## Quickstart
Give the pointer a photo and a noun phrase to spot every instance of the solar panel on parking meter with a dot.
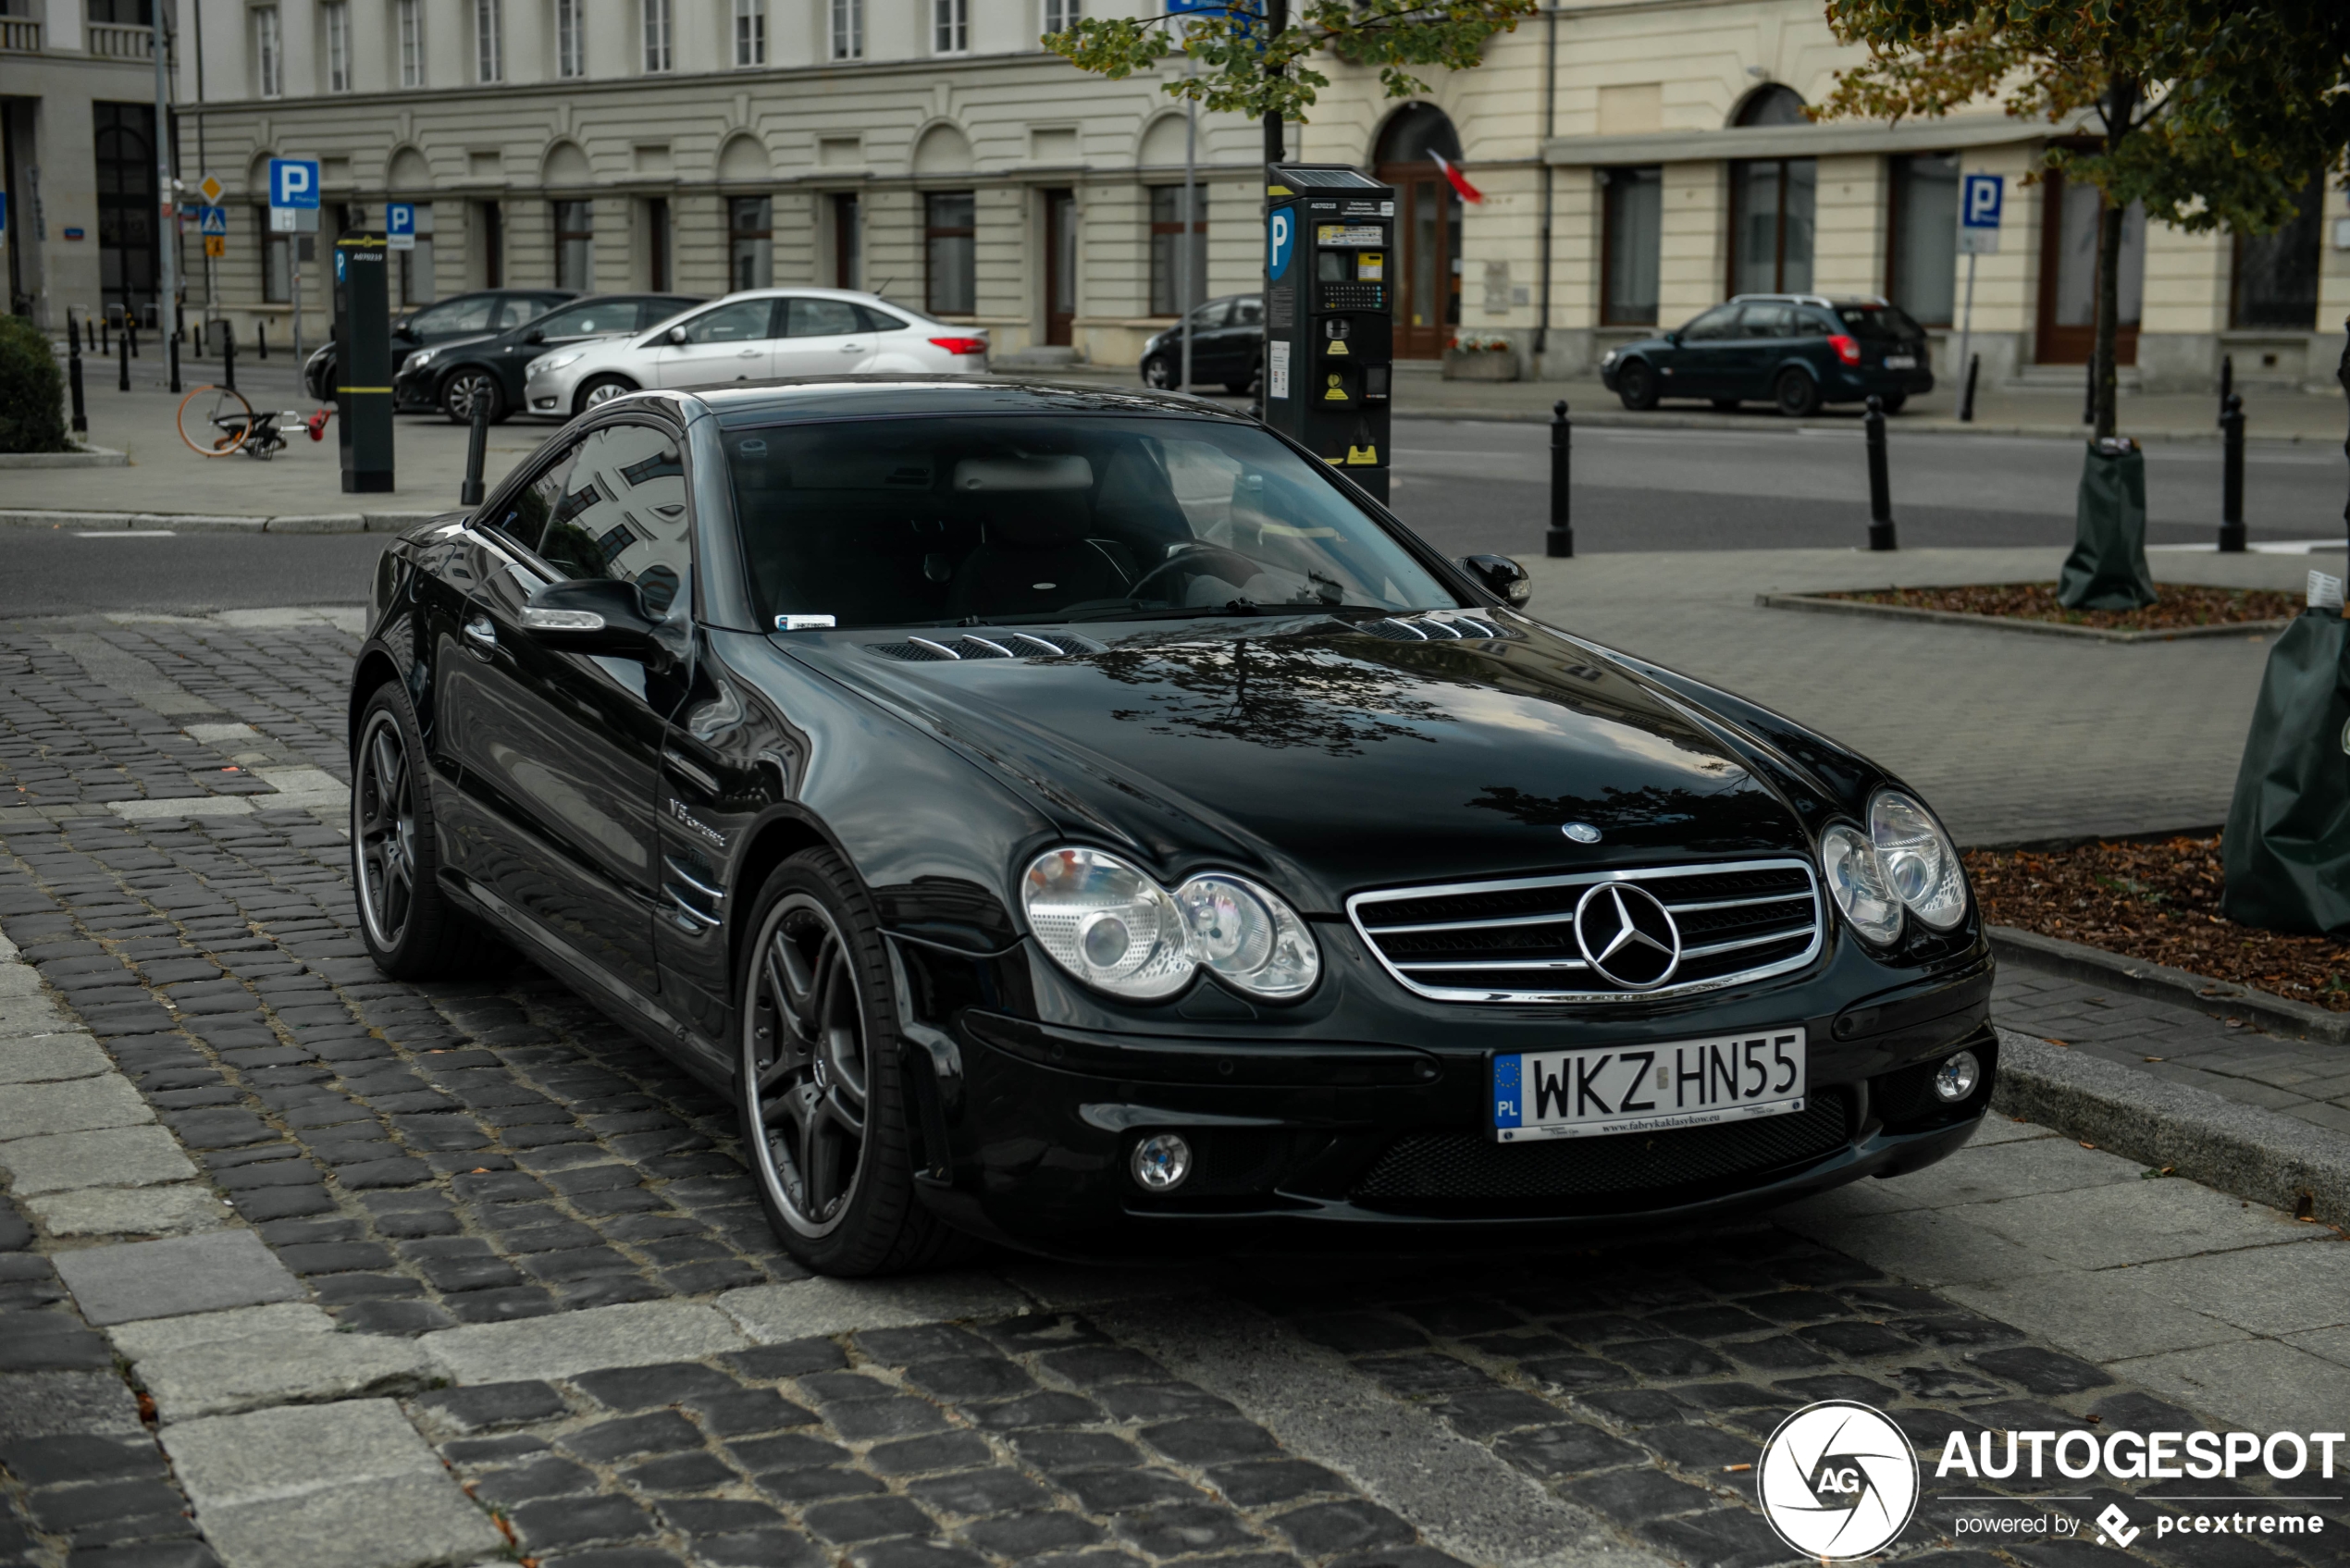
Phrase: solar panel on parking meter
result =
(1329, 315)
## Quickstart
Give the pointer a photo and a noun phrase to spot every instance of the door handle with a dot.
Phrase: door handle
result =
(852, 348)
(481, 634)
(745, 353)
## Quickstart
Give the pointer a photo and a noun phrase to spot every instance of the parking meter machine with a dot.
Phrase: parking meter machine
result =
(1329, 313)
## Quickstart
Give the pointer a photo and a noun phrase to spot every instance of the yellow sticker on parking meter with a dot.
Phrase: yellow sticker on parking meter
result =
(1370, 267)
(1337, 394)
(1338, 345)
(1362, 454)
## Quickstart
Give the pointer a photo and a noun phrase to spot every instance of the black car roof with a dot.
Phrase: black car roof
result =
(791, 400)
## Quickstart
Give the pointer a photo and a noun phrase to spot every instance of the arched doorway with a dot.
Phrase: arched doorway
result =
(1428, 228)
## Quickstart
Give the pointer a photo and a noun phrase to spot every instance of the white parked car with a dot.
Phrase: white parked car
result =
(752, 336)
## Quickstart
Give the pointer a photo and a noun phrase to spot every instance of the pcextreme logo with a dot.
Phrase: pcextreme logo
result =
(1837, 1481)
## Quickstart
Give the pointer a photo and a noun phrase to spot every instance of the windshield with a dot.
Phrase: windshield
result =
(998, 520)
(580, 321)
(1879, 321)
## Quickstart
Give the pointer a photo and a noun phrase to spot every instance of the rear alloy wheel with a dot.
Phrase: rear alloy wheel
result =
(460, 392)
(1157, 374)
(411, 929)
(1796, 393)
(1636, 386)
(603, 390)
(822, 1094)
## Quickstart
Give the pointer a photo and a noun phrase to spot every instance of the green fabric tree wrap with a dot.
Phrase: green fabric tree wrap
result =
(2108, 567)
(2287, 848)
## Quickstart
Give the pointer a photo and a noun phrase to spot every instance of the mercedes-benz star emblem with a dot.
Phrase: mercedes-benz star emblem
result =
(1581, 832)
(1628, 935)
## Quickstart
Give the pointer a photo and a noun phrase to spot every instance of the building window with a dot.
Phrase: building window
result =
(489, 41)
(950, 26)
(1062, 15)
(1632, 220)
(848, 30)
(2276, 274)
(408, 22)
(1772, 205)
(1166, 238)
(660, 34)
(848, 241)
(571, 38)
(750, 224)
(951, 270)
(269, 51)
(750, 32)
(489, 229)
(1923, 242)
(128, 259)
(574, 245)
(337, 17)
(657, 265)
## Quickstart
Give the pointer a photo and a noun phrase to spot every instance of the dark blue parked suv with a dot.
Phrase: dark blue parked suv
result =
(1796, 350)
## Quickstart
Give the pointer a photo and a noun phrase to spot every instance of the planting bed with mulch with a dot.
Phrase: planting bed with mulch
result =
(2182, 605)
(2159, 902)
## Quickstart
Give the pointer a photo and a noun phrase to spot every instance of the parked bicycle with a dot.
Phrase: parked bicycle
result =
(216, 421)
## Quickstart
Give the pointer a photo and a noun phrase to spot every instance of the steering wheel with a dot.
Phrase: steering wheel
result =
(1197, 559)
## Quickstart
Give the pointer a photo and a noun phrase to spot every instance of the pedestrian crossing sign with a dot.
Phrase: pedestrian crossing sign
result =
(212, 221)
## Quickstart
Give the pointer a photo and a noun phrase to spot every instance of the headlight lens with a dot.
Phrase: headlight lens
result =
(1921, 865)
(1115, 929)
(1857, 883)
(1248, 937)
(556, 362)
(1608, 358)
(421, 358)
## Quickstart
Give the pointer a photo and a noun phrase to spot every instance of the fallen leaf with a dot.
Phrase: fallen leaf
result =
(2088, 1145)
(2157, 1058)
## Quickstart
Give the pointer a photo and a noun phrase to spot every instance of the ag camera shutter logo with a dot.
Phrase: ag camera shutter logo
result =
(1838, 1480)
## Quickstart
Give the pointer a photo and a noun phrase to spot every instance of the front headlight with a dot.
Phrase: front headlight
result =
(1920, 864)
(421, 358)
(1608, 358)
(556, 362)
(1112, 927)
(1857, 883)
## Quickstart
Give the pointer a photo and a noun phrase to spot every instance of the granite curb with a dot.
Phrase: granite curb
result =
(80, 457)
(2238, 1149)
(1820, 604)
(2161, 983)
(178, 522)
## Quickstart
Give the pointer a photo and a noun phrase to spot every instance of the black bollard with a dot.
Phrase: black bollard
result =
(130, 333)
(2231, 477)
(476, 448)
(2089, 405)
(1966, 404)
(1560, 540)
(1880, 483)
(73, 379)
(73, 333)
(171, 353)
(122, 358)
(228, 355)
(103, 334)
(2227, 386)
(260, 339)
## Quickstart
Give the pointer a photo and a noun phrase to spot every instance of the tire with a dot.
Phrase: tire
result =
(319, 385)
(1253, 386)
(1157, 374)
(459, 389)
(1895, 404)
(411, 929)
(603, 389)
(1796, 393)
(1636, 386)
(819, 1083)
(1725, 405)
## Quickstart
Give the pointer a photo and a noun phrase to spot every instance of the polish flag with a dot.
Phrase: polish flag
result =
(1460, 182)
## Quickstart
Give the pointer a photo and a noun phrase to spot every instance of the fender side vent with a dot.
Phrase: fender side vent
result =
(1433, 628)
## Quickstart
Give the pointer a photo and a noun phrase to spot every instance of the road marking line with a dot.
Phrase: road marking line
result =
(126, 533)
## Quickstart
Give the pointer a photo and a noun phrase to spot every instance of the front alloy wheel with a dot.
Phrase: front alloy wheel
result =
(383, 830)
(805, 1067)
(467, 388)
(1158, 374)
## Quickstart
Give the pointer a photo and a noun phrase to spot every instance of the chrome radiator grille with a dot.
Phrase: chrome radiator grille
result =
(1518, 940)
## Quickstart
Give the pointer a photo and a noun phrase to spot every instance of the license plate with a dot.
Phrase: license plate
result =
(1648, 1088)
(1900, 361)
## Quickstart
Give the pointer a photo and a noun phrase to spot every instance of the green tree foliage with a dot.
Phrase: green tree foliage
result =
(2213, 113)
(1244, 71)
(32, 390)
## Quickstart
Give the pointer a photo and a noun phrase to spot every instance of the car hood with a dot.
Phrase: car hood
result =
(1336, 757)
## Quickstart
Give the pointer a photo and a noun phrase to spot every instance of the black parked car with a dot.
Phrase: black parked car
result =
(461, 315)
(1797, 350)
(1228, 345)
(449, 375)
(1082, 818)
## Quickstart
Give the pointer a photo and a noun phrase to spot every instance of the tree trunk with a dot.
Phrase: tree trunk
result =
(2108, 311)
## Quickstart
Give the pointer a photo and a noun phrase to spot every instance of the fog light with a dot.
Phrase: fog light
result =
(1161, 1161)
(1955, 1079)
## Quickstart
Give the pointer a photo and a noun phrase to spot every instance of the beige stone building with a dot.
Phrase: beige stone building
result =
(1639, 160)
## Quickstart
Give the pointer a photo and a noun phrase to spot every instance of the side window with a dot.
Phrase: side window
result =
(878, 321)
(1766, 321)
(745, 321)
(819, 318)
(1248, 311)
(621, 513)
(512, 311)
(1719, 322)
(537, 502)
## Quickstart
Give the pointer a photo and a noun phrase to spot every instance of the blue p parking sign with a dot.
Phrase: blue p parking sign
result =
(1980, 209)
(1281, 239)
(294, 182)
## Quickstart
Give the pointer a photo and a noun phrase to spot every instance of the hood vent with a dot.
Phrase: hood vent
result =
(993, 645)
(1432, 628)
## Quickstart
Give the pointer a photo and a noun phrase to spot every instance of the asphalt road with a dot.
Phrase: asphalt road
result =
(1468, 486)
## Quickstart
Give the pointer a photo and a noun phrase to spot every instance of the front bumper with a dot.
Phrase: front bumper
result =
(1027, 1130)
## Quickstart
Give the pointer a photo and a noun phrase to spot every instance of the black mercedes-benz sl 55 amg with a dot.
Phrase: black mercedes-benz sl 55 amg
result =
(1082, 818)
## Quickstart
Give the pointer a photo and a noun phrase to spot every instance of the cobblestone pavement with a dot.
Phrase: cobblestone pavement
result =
(301, 1265)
